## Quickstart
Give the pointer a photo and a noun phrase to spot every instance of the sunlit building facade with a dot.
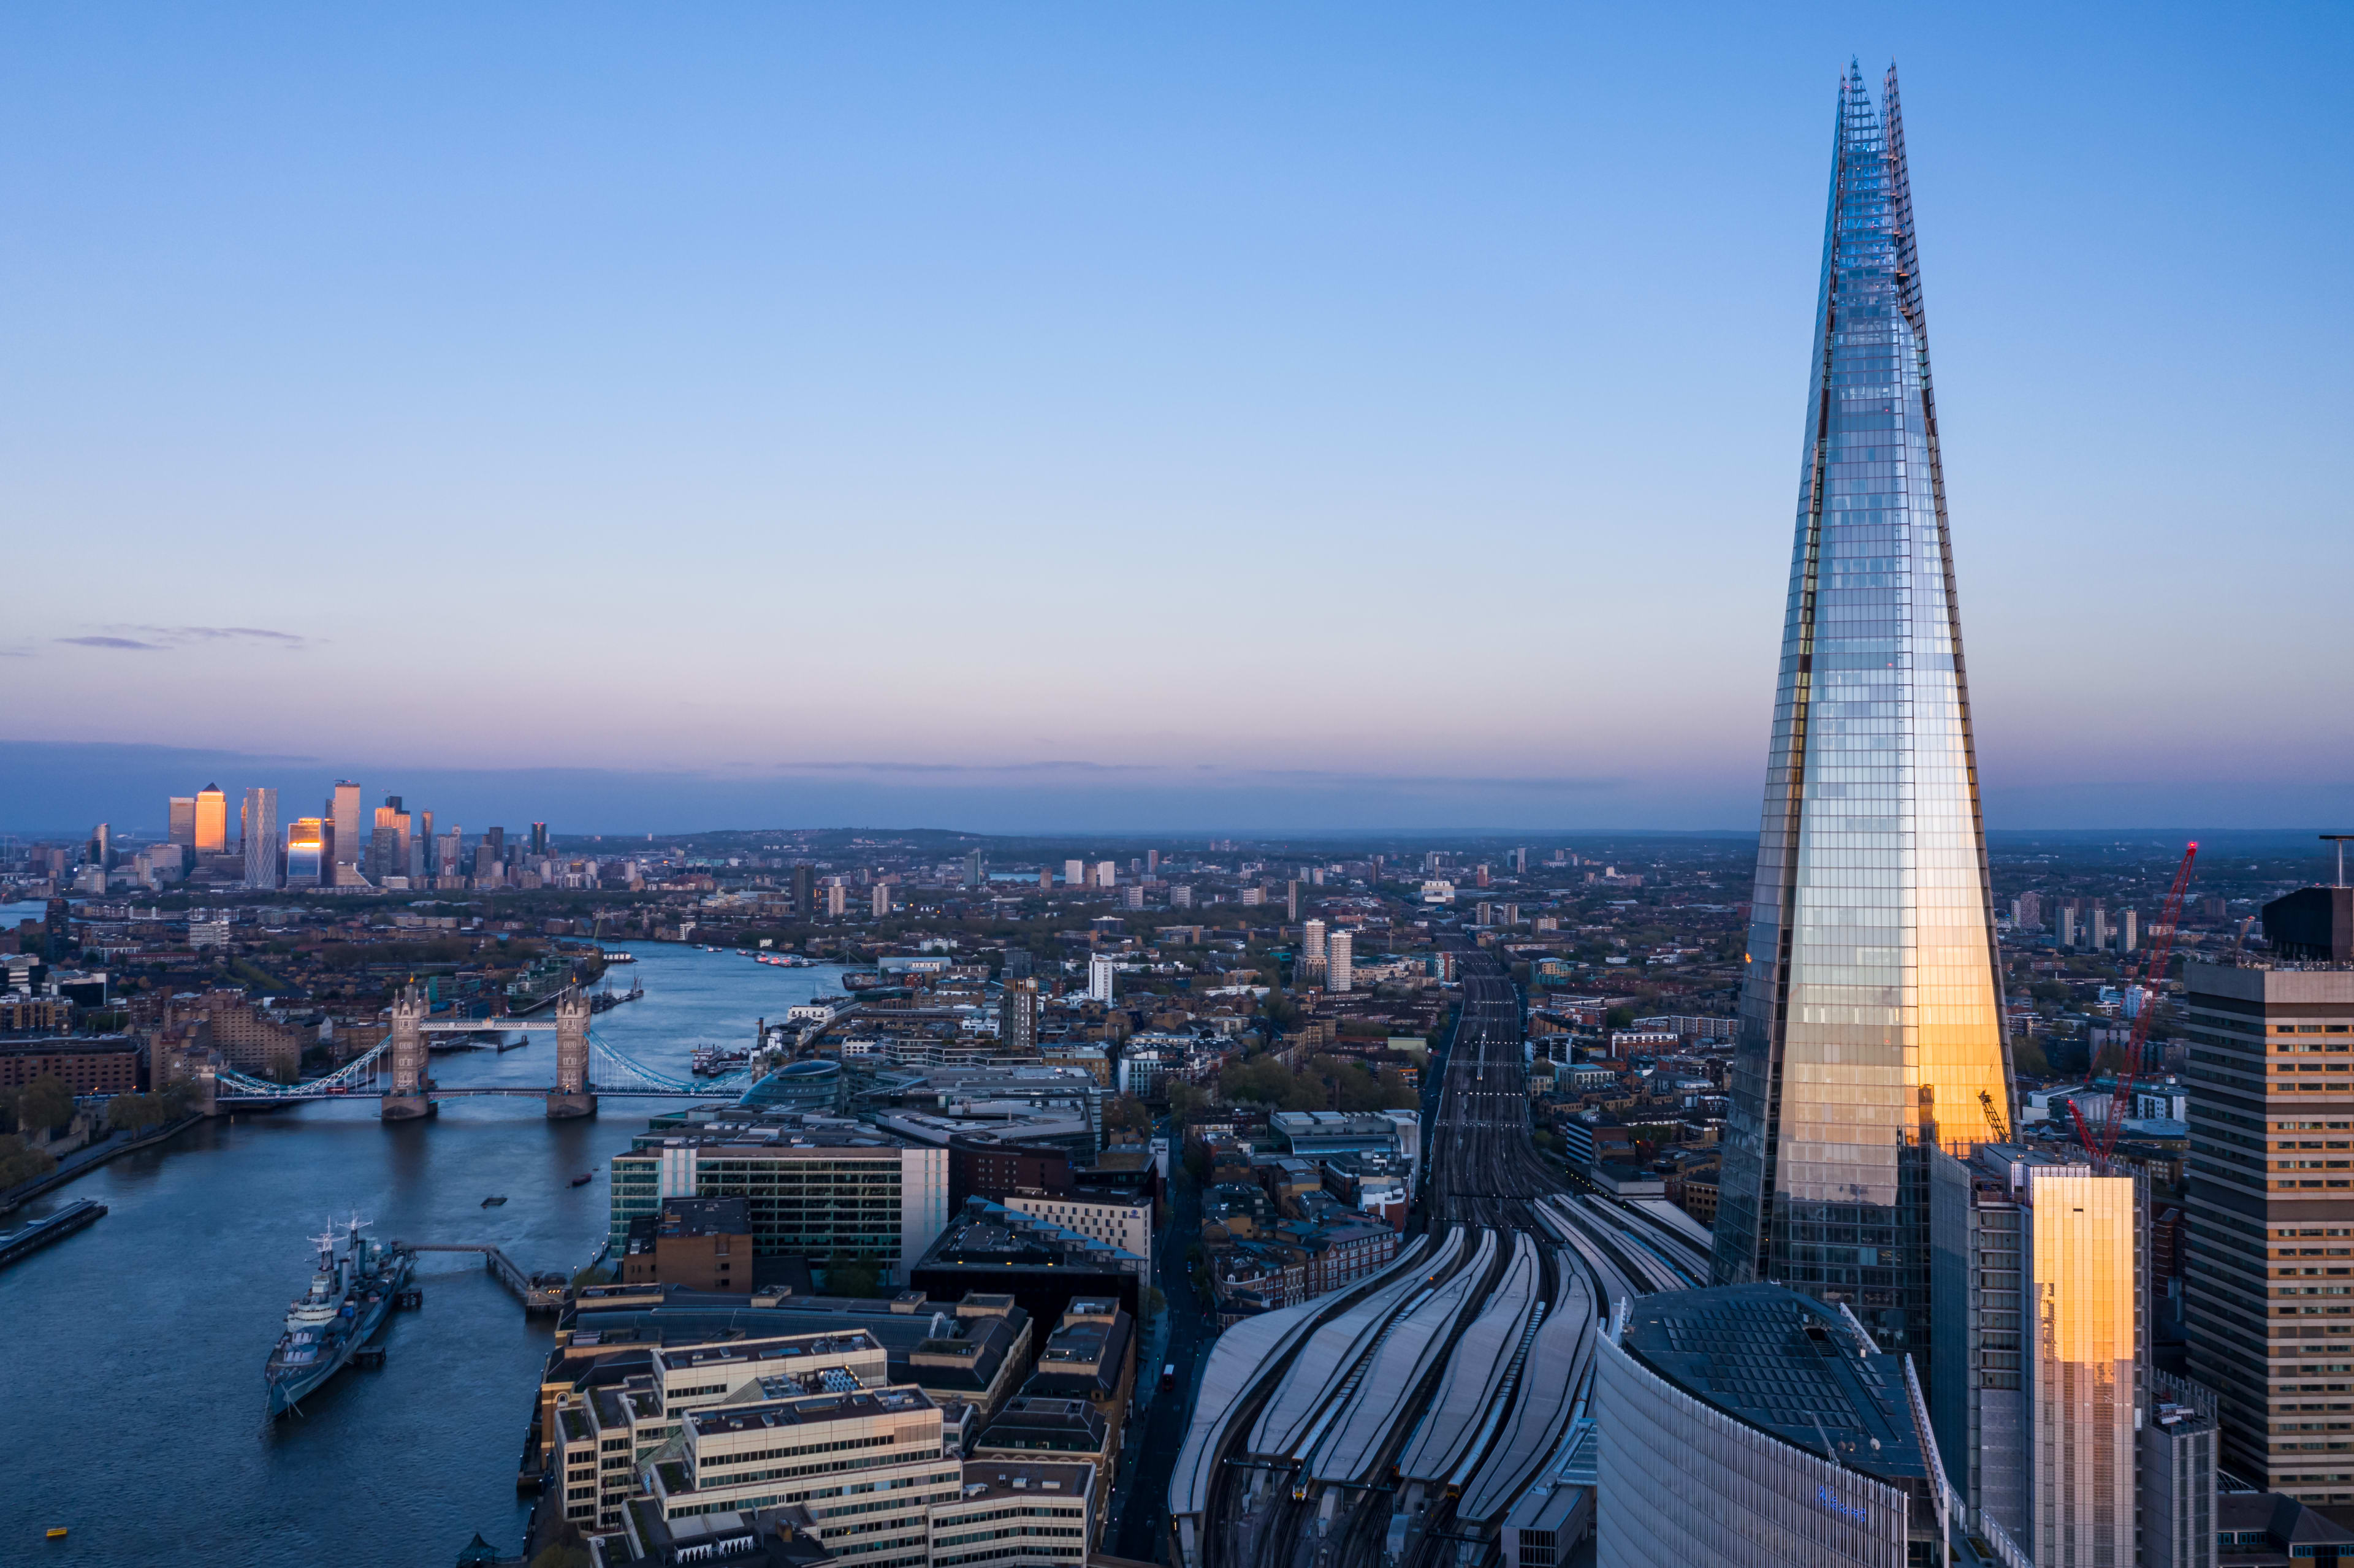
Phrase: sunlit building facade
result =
(2041, 1370)
(212, 821)
(1870, 1010)
(306, 853)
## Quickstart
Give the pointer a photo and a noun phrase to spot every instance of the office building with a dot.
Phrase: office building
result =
(1102, 974)
(2270, 1185)
(1747, 1424)
(1075, 872)
(1872, 1019)
(387, 850)
(258, 821)
(344, 812)
(813, 1188)
(2176, 1460)
(309, 861)
(101, 848)
(1044, 1266)
(1339, 948)
(804, 882)
(1117, 1220)
(881, 899)
(449, 853)
(1106, 874)
(182, 815)
(1017, 1016)
(538, 839)
(212, 821)
(837, 897)
(1315, 1135)
(975, 875)
(89, 1065)
(2039, 1384)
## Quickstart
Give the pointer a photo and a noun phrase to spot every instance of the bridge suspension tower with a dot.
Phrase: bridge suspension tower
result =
(571, 1096)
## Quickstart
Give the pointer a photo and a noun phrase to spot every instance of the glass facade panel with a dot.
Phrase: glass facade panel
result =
(1682, 1485)
(1871, 1013)
(2085, 1265)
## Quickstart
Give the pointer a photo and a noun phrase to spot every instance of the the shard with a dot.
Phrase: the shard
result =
(1872, 1019)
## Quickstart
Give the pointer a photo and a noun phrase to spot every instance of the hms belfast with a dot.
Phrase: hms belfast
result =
(352, 1293)
(1872, 1019)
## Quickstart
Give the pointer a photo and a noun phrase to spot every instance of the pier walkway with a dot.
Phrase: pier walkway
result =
(538, 1292)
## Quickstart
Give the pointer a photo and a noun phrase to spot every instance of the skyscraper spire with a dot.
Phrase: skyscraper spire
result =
(1871, 1015)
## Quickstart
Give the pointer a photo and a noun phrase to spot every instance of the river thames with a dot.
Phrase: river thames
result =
(131, 1354)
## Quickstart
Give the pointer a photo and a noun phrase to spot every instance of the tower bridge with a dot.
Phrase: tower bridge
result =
(393, 1070)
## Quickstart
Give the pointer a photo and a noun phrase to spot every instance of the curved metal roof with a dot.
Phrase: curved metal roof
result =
(1552, 1380)
(1474, 1373)
(1330, 1352)
(1239, 1358)
(1351, 1449)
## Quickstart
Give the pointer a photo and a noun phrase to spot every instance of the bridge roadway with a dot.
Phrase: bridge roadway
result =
(462, 1091)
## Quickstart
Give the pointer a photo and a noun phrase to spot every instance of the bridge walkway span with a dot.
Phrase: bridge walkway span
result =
(538, 1292)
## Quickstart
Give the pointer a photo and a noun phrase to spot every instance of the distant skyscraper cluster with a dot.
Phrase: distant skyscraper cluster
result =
(348, 845)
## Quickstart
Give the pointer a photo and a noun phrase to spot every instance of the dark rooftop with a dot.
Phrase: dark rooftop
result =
(1786, 1364)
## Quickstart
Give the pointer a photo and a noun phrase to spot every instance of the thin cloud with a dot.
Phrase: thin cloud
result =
(967, 767)
(159, 638)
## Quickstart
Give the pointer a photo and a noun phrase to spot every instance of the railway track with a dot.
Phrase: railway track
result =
(1264, 1509)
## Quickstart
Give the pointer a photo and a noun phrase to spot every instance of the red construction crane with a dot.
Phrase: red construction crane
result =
(2102, 1141)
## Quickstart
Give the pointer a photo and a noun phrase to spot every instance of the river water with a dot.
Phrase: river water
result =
(131, 1354)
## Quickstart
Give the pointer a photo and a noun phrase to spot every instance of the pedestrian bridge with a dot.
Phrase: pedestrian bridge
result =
(538, 1292)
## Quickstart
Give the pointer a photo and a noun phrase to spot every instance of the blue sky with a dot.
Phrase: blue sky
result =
(1388, 416)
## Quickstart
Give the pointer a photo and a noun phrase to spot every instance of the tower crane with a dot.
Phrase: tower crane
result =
(2102, 1141)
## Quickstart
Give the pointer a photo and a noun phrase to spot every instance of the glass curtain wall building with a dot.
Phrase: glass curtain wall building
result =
(1870, 1017)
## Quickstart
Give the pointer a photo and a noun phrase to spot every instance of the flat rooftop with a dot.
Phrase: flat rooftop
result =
(995, 1479)
(806, 1411)
(740, 1351)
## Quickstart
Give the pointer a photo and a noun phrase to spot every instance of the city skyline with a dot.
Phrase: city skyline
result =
(1034, 305)
(1034, 740)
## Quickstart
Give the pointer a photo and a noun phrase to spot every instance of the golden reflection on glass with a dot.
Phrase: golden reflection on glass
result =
(2085, 1282)
(1872, 1017)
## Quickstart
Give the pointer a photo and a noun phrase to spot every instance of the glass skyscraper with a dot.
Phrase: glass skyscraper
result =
(1871, 1023)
